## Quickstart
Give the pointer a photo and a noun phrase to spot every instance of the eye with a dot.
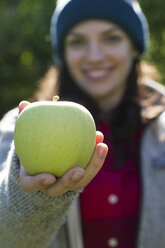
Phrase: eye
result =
(113, 38)
(76, 42)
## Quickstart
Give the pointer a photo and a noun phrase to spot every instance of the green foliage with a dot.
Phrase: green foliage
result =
(154, 11)
(25, 48)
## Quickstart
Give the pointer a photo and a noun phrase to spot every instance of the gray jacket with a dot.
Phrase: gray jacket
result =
(38, 221)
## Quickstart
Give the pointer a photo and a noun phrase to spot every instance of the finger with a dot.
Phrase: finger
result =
(22, 105)
(99, 137)
(66, 182)
(77, 178)
(37, 182)
(94, 166)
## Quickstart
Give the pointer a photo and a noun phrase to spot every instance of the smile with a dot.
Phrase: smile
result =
(97, 75)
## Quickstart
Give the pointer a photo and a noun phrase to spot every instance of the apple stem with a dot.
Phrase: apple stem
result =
(55, 98)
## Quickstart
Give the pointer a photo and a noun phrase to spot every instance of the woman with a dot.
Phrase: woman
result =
(97, 51)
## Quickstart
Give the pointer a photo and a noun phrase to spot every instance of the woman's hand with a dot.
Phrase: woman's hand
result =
(75, 178)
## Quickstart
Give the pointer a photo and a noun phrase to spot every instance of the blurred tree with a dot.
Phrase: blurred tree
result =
(25, 49)
(154, 11)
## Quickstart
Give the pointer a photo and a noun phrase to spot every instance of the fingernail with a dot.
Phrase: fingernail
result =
(102, 151)
(77, 175)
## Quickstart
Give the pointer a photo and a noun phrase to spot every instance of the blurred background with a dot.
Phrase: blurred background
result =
(25, 47)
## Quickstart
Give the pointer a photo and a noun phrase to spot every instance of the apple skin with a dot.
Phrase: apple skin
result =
(52, 137)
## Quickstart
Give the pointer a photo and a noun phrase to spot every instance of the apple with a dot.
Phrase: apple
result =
(54, 136)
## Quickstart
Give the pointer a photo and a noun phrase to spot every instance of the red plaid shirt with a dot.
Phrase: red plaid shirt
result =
(110, 204)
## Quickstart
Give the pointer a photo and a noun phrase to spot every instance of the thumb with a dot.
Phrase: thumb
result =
(22, 105)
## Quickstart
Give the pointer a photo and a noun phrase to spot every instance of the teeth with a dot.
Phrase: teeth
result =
(97, 73)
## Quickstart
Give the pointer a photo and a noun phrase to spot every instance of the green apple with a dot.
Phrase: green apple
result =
(54, 136)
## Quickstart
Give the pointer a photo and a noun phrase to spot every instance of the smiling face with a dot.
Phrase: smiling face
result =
(99, 56)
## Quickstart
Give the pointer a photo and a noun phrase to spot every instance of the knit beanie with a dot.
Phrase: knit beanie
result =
(125, 13)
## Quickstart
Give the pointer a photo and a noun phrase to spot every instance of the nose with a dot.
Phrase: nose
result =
(95, 53)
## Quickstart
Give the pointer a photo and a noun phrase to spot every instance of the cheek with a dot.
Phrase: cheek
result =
(74, 57)
(74, 61)
(121, 56)
(125, 60)
(122, 53)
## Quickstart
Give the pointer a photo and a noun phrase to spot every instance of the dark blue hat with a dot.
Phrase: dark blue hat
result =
(126, 13)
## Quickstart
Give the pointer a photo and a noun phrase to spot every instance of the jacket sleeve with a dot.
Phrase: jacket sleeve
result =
(26, 219)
